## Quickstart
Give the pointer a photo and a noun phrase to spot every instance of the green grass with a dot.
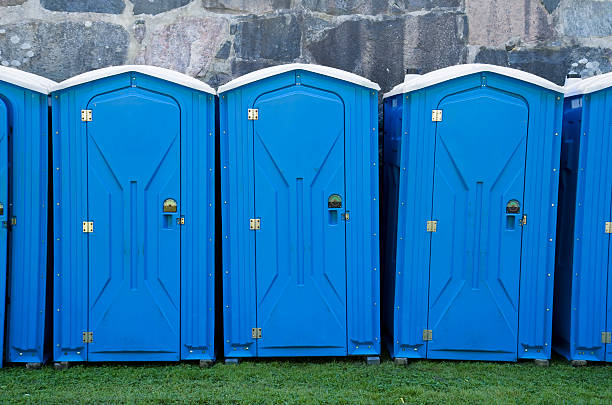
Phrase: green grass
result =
(320, 381)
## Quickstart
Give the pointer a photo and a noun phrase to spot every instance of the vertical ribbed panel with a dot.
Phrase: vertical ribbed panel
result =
(591, 244)
(28, 239)
(541, 193)
(362, 233)
(70, 210)
(413, 242)
(239, 296)
(198, 233)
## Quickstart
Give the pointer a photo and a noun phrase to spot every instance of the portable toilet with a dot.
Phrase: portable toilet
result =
(471, 165)
(299, 191)
(24, 110)
(134, 216)
(583, 285)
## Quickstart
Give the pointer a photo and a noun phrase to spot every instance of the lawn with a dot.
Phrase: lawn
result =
(321, 381)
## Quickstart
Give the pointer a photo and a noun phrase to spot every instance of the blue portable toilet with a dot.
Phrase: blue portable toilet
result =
(23, 212)
(471, 159)
(299, 191)
(583, 285)
(134, 216)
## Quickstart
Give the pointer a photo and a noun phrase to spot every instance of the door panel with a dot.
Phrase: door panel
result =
(477, 200)
(300, 248)
(134, 250)
(4, 214)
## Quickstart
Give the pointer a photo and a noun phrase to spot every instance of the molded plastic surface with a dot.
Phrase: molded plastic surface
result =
(583, 300)
(25, 117)
(141, 282)
(308, 278)
(482, 283)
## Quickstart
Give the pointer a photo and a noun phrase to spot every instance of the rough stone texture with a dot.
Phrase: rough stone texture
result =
(551, 5)
(338, 7)
(494, 22)
(550, 62)
(4, 3)
(246, 6)
(61, 50)
(94, 6)
(156, 6)
(218, 40)
(275, 38)
(588, 18)
(188, 45)
(382, 50)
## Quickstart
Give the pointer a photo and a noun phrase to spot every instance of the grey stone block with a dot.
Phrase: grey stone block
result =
(246, 6)
(339, 7)
(275, 38)
(382, 50)
(588, 18)
(551, 5)
(92, 6)
(64, 49)
(157, 6)
(4, 3)
(554, 63)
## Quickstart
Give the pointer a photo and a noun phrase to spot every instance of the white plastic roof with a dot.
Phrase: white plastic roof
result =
(590, 85)
(160, 73)
(26, 80)
(276, 70)
(453, 72)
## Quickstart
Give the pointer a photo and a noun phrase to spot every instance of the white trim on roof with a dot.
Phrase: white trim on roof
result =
(276, 70)
(154, 71)
(26, 80)
(588, 86)
(453, 72)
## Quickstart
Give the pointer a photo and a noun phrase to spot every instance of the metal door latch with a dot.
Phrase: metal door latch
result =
(255, 224)
(523, 220)
(87, 337)
(88, 226)
(432, 226)
(256, 333)
(608, 227)
(436, 115)
(86, 115)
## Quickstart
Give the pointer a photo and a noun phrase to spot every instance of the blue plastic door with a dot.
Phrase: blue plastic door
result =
(478, 204)
(608, 346)
(4, 214)
(299, 199)
(133, 193)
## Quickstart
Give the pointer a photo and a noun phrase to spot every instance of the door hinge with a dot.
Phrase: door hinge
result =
(255, 224)
(256, 333)
(523, 220)
(427, 335)
(1, 209)
(180, 220)
(432, 226)
(86, 115)
(87, 337)
(608, 227)
(606, 337)
(436, 115)
(87, 226)
(253, 114)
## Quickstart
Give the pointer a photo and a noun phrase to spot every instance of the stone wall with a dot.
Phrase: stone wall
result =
(217, 40)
